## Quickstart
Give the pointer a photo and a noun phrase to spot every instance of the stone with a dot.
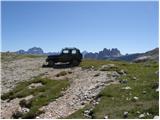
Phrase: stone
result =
(157, 90)
(147, 113)
(35, 85)
(106, 117)
(115, 74)
(122, 72)
(156, 117)
(157, 73)
(107, 67)
(125, 114)
(134, 78)
(23, 110)
(123, 81)
(127, 88)
(144, 92)
(86, 111)
(135, 98)
(97, 103)
(138, 112)
(141, 116)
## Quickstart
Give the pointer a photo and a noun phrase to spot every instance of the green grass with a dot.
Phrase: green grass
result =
(5, 56)
(50, 90)
(113, 98)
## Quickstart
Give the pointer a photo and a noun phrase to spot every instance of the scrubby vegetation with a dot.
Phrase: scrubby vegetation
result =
(49, 91)
(139, 97)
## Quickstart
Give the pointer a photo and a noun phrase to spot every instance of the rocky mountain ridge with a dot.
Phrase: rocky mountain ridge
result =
(35, 50)
(105, 54)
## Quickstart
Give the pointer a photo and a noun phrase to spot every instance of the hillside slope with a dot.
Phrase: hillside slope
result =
(95, 83)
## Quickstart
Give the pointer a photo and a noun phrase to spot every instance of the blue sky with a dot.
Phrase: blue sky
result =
(129, 26)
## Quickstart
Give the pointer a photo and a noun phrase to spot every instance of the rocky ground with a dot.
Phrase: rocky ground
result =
(85, 84)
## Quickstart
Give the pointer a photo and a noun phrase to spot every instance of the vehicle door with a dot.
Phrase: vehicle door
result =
(65, 56)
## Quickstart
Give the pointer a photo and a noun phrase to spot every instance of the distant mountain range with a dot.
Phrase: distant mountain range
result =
(137, 57)
(105, 54)
(35, 50)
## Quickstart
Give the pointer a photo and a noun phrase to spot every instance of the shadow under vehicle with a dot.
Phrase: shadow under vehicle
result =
(68, 56)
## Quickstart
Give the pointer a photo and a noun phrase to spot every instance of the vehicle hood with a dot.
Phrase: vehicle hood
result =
(53, 56)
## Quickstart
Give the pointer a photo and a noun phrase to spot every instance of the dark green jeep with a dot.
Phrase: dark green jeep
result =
(67, 55)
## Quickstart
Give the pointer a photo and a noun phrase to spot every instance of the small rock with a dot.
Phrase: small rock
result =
(115, 74)
(25, 110)
(157, 72)
(123, 81)
(107, 67)
(126, 88)
(96, 75)
(141, 116)
(125, 114)
(147, 113)
(157, 90)
(82, 103)
(135, 98)
(92, 66)
(35, 85)
(144, 92)
(134, 78)
(156, 117)
(37, 117)
(138, 112)
(97, 103)
(127, 98)
(106, 117)
(122, 72)
(86, 111)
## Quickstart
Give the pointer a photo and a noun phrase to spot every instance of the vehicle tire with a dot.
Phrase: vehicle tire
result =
(75, 62)
(51, 63)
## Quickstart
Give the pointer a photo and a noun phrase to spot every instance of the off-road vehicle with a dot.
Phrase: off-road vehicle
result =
(71, 56)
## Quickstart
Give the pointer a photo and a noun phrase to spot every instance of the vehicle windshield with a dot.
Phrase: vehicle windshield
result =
(65, 51)
(74, 51)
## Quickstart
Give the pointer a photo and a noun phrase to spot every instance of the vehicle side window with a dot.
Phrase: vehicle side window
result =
(65, 51)
(74, 51)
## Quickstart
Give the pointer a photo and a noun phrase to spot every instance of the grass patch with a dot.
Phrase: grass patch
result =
(50, 90)
(115, 101)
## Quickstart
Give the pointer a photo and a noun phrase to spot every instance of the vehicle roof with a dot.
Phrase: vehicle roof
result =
(70, 48)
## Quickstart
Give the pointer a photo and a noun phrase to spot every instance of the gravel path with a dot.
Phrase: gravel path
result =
(84, 87)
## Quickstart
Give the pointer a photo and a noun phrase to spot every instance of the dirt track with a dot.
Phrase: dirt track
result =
(85, 85)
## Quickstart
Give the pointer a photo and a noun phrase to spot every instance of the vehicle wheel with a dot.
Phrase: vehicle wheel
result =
(75, 62)
(51, 63)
